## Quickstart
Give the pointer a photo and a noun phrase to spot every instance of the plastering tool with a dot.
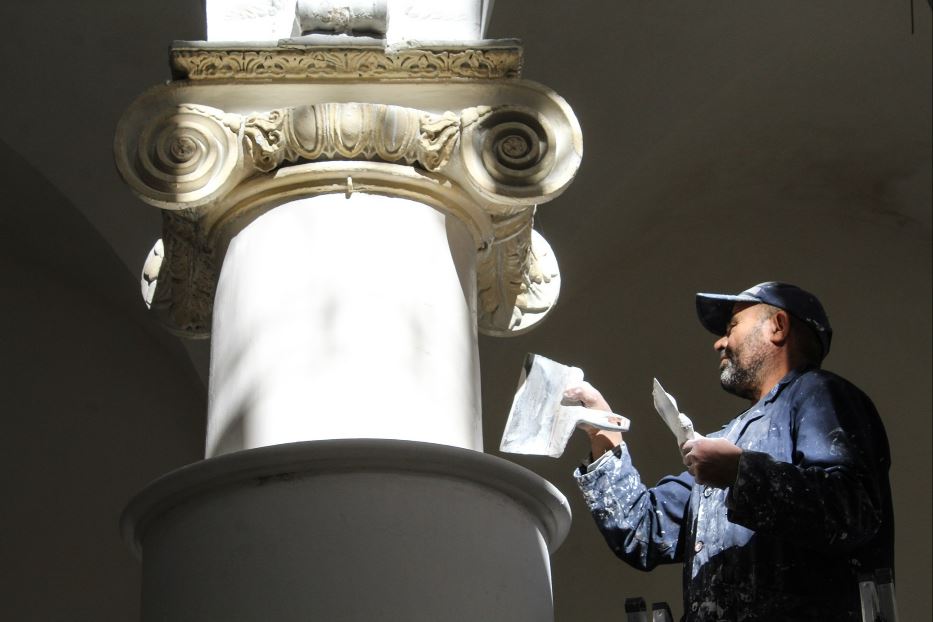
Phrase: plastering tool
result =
(678, 422)
(540, 421)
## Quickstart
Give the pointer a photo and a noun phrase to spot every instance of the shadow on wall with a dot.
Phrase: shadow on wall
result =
(97, 402)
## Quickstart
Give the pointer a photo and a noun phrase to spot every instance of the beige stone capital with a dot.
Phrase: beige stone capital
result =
(215, 154)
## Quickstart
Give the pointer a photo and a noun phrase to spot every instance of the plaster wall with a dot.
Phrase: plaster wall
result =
(92, 397)
(727, 146)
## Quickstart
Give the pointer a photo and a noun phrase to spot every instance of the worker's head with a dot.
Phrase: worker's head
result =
(770, 322)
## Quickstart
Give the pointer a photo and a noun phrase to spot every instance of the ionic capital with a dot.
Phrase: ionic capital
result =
(216, 155)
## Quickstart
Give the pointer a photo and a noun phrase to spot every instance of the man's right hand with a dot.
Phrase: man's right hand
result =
(601, 441)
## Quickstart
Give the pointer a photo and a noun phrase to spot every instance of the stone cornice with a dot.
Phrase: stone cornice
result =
(295, 62)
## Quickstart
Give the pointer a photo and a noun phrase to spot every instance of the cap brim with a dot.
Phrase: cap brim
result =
(715, 310)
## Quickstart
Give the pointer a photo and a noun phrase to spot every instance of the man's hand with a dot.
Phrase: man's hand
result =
(712, 461)
(601, 441)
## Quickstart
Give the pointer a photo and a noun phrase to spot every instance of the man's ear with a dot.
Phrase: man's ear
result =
(780, 327)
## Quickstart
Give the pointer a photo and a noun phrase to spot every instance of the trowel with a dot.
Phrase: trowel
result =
(541, 421)
(678, 422)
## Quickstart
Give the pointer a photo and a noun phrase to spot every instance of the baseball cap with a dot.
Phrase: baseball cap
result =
(715, 310)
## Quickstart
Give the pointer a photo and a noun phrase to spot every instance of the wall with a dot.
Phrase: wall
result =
(727, 145)
(96, 402)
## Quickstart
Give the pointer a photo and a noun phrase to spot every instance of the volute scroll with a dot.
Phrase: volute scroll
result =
(213, 171)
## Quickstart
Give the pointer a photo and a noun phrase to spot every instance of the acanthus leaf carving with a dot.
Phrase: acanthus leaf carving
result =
(264, 140)
(518, 280)
(439, 134)
(180, 275)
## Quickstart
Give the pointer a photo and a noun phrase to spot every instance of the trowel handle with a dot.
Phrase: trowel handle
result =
(599, 419)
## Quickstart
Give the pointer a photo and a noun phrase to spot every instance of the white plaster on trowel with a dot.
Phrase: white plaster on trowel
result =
(346, 318)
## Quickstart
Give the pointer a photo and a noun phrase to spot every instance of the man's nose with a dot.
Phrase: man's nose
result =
(720, 344)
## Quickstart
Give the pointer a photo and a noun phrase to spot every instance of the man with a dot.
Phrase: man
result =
(780, 511)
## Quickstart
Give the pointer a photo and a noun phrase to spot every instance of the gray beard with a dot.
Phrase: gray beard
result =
(741, 380)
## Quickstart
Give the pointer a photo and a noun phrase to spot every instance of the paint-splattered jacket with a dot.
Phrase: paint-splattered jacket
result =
(809, 510)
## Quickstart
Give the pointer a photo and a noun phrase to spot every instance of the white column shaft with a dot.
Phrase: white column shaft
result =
(344, 317)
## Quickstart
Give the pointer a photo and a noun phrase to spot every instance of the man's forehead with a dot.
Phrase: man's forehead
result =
(738, 307)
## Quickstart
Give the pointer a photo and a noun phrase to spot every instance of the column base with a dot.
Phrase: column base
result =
(348, 530)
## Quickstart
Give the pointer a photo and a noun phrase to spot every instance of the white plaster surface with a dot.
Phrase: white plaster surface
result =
(338, 16)
(430, 20)
(348, 531)
(408, 20)
(345, 318)
(250, 20)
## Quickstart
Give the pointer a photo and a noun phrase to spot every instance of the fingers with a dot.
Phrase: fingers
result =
(687, 447)
(712, 461)
(689, 459)
(586, 394)
(689, 452)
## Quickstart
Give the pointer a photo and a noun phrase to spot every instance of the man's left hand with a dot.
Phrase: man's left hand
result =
(712, 461)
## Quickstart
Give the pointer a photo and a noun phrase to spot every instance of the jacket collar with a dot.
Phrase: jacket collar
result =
(757, 411)
(788, 379)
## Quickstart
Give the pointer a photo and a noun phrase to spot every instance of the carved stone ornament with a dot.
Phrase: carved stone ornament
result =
(214, 171)
(345, 16)
(199, 62)
(179, 277)
(528, 283)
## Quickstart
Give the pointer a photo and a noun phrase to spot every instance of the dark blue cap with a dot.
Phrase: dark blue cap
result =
(715, 310)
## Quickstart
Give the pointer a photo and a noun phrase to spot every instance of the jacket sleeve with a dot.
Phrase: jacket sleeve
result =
(829, 499)
(643, 526)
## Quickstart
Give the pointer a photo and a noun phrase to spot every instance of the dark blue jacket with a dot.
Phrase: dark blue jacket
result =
(809, 510)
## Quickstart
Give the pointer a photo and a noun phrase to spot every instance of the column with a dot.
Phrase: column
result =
(344, 209)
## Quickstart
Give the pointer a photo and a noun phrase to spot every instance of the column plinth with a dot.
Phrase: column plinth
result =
(348, 530)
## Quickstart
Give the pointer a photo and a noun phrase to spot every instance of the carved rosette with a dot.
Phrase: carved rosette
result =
(215, 167)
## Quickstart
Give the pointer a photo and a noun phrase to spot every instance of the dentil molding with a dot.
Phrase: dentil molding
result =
(215, 155)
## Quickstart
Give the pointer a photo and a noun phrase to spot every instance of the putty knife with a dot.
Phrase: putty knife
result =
(540, 422)
(678, 422)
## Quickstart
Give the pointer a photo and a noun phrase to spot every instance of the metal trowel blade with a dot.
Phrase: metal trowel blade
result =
(539, 423)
